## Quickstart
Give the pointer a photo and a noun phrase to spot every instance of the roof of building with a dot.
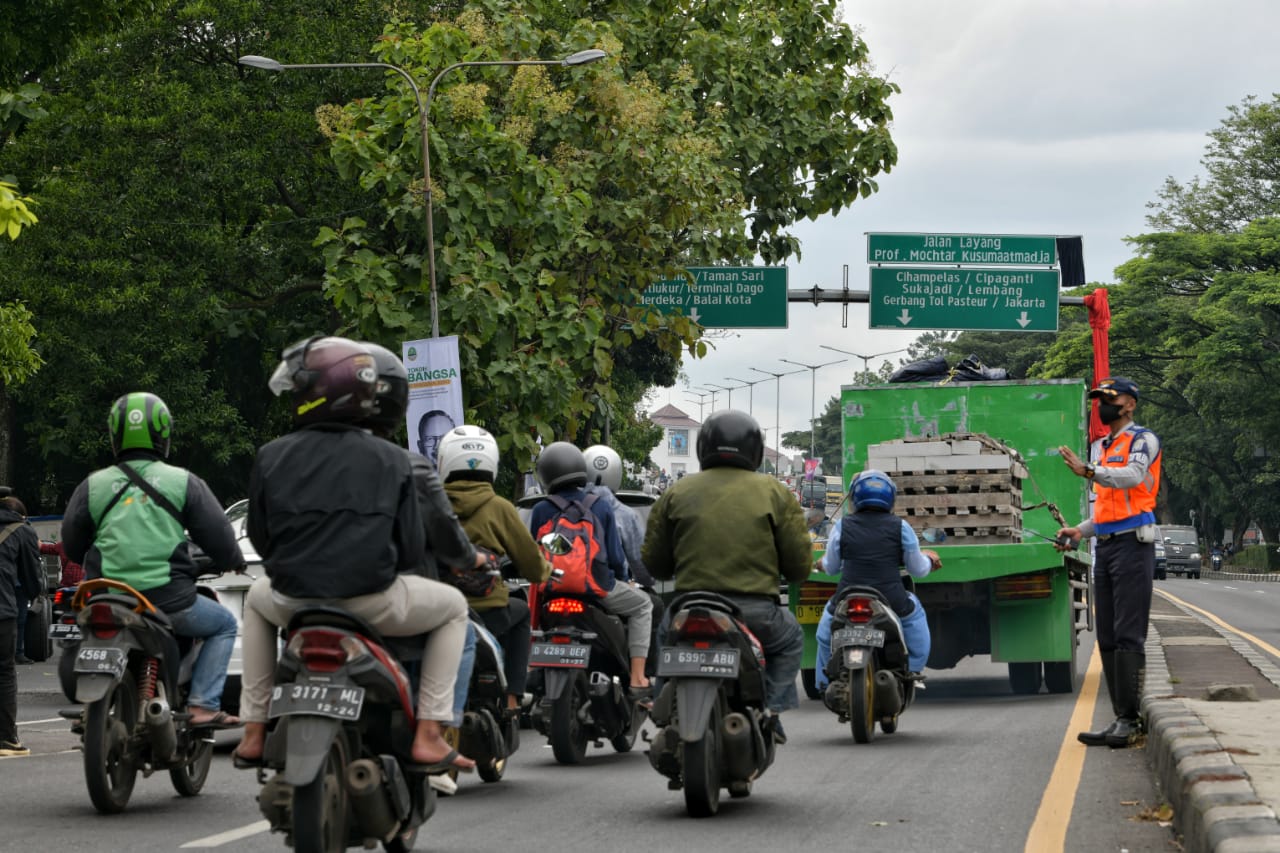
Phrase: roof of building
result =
(670, 416)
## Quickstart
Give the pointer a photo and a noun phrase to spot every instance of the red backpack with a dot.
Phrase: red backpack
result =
(585, 569)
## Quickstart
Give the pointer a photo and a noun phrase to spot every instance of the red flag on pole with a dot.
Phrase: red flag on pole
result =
(1100, 323)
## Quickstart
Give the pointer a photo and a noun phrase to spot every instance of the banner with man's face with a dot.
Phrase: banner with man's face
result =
(435, 392)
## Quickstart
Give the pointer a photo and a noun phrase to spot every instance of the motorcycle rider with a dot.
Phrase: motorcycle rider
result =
(866, 548)
(333, 512)
(135, 521)
(562, 471)
(732, 531)
(468, 457)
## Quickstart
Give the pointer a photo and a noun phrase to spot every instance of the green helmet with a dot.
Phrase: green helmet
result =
(140, 421)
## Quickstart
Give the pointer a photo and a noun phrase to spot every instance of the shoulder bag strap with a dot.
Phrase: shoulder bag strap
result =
(8, 531)
(139, 481)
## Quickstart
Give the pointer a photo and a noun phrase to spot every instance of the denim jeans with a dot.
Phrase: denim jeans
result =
(8, 682)
(915, 632)
(463, 683)
(215, 624)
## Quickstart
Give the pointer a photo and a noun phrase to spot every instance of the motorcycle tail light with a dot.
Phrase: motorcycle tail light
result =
(59, 596)
(566, 606)
(325, 651)
(102, 622)
(701, 624)
(860, 610)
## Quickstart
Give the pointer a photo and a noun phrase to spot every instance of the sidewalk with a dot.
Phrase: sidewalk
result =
(1212, 708)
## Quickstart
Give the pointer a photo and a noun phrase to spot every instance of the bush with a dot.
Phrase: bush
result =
(1257, 558)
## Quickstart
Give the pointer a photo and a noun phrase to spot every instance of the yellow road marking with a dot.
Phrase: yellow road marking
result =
(1262, 644)
(1049, 830)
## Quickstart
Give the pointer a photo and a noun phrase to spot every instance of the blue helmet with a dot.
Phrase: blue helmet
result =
(873, 489)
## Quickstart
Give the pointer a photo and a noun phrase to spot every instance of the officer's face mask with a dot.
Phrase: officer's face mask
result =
(1109, 412)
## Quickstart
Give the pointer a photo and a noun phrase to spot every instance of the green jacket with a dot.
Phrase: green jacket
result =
(492, 522)
(728, 530)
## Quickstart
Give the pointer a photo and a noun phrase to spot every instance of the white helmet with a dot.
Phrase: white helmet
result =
(467, 448)
(604, 467)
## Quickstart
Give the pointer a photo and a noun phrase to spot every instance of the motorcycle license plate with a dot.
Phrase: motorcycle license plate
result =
(98, 660)
(873, 637)
(705, 663)
(64, 631)
(342, 702)
(567, 655)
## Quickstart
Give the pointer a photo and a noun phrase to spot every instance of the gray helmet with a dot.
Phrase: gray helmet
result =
(561, 465)
(604, 466)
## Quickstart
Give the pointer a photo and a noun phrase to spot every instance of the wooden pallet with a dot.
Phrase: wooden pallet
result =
(957, 482)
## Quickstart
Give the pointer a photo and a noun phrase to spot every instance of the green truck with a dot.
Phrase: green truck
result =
(980, 462)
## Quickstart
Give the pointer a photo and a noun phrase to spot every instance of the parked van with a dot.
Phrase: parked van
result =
(1181, 549)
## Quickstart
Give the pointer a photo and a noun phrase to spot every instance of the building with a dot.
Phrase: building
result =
(677, 453)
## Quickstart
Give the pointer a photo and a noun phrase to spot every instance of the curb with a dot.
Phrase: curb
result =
(1215, 805)
(1262, 577)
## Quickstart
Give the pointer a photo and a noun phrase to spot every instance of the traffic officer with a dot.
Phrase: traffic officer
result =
(1125, 472)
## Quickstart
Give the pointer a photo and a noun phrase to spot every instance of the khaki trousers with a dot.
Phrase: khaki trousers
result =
(411, 605)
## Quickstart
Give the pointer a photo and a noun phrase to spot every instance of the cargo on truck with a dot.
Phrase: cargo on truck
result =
(979, 463)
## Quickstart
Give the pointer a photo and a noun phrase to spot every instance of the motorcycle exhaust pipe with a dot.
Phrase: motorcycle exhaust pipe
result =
(888, 694)
(370, 800)
(160, 731)
(738, 754)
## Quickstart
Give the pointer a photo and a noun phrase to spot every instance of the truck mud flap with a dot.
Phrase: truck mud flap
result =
(695, 697)
(307, 741)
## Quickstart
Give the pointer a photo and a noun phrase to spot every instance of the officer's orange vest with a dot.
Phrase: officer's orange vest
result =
(1116, 510)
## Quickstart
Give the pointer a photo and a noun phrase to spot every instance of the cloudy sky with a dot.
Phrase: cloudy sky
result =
(1015, 117)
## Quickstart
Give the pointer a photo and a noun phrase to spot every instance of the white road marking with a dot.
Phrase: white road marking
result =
(38, 722)
(1231, 587)
(230, 835)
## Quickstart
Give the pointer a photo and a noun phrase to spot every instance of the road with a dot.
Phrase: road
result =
(967, 771)
(1249, 606)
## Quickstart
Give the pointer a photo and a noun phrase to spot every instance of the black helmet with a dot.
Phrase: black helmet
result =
(730, 437)
(391, 395)
(561, 465)
(140, 421)
(330, 379)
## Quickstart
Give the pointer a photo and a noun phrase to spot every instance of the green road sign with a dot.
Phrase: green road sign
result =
(980, 249)
(725, 297)
(992, 300)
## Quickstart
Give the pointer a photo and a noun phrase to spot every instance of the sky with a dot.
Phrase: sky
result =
(1015, 117)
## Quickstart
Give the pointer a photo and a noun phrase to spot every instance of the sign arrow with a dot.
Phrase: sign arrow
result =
(1023, 320)
(905, 317)
(695, 317)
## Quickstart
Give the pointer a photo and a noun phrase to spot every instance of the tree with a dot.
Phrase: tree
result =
(558, 199)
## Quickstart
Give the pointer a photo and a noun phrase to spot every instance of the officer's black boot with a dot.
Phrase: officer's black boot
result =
(1098, 738)
(1129, 673)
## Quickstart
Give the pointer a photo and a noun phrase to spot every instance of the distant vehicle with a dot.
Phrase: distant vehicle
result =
(813, 493)
(1181, 548)
(1162, 563)
(835, 491)
(231, 589)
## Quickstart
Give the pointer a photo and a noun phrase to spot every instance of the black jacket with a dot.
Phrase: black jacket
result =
(447, 542)
(19, 564)
(333, 512)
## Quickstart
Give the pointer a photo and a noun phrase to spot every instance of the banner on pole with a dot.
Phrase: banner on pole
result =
(435, 392)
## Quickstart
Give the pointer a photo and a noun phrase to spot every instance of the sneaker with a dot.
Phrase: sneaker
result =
(443, 785)
(8, 748)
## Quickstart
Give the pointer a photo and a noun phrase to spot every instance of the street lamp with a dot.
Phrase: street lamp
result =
(582, 57)
(866, 359)
(713, 394)
(751, 390)
(700, 403)
(813, 399)
(777, 409)
(729, 404)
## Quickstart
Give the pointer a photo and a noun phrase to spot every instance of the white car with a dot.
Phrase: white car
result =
(231, 589)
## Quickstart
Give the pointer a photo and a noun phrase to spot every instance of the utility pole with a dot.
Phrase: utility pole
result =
(813, 399)
(751, 391)
(699, 401)
(777, 410)
(866, 359)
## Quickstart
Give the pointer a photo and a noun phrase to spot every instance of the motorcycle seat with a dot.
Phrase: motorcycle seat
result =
(705, 598)
(406, 649)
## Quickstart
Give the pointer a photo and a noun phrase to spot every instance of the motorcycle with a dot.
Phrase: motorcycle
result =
(714, 729)
(870, 681)
(64, 631)
(489, 734)
(132, 674)
(340, 743)
(1217, 562)
(580, 673)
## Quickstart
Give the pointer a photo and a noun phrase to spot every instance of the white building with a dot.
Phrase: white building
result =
(677, 453)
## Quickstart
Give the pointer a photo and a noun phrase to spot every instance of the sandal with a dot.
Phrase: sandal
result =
(444, 765)
(220, 720)
(642, 696)
(239, 762)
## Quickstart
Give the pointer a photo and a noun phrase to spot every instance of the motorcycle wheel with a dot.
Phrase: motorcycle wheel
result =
(809, 681)
(189, 779)
(402, 843)
(109, 769)
(701, 762)
(1024, 678)
(319, 814)
(568, 735)
(493, 771)
(862, 703)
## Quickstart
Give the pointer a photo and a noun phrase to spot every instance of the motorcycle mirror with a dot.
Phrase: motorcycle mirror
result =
(933, 535)
(556, 544)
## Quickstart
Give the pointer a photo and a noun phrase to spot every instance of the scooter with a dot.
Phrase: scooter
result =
(714, 729)
(1217, 562)
(132, 673)
(489, 734)
(64, 631)
(340, 743)
(870, 681)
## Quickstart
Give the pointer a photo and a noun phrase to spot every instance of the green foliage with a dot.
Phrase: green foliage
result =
(15, 211)
(1257, 558)
(18, 362)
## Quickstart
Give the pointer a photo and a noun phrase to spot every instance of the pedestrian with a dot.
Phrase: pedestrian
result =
(1125, 472)
(70, 573)
(20, 579)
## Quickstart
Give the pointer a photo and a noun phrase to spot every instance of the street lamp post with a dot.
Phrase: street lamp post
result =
(866, 359)
(713, 392)
(751, 390)
(813, 399)
(728, 404)
(700, 403)
(777, 411)
(582, 57)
